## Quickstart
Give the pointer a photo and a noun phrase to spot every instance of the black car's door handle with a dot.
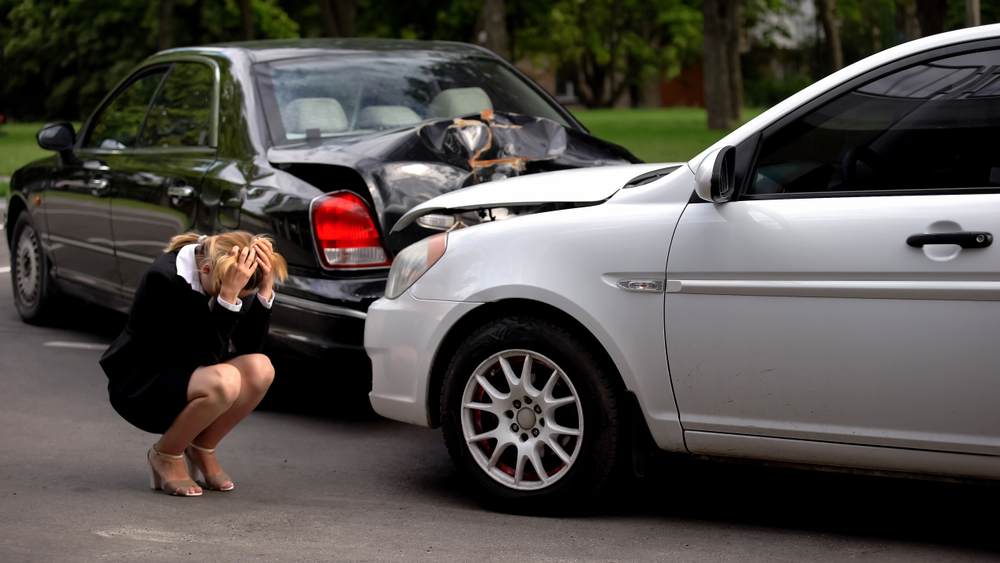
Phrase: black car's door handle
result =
(965, 239)
(180, 191)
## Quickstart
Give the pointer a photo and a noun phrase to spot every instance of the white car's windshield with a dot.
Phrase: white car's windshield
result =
(359, 93)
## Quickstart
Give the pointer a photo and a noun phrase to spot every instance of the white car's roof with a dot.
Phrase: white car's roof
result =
(857, 69)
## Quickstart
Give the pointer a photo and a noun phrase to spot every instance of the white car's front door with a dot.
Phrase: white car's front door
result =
(805, 311)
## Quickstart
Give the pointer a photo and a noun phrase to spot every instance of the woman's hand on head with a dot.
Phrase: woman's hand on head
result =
(264, 250)
(236, 278)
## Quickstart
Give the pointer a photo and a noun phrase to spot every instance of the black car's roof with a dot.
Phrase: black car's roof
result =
(277, 49)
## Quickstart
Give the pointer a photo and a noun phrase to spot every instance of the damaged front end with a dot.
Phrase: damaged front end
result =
(405, 168)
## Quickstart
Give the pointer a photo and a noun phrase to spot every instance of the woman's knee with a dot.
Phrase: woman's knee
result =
(220, 383)
(259, 372)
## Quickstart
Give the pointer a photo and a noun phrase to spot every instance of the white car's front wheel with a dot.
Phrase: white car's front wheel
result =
(527, 411)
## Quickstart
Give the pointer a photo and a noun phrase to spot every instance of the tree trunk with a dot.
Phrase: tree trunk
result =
(166, 38)
(834, 53)
(734, 19)
(973, 16)
(328, 23)
(495, 26)
(911, 23)
(931, 14)
(594, 78)
(345, 11)
(246, 18)
(717, 88)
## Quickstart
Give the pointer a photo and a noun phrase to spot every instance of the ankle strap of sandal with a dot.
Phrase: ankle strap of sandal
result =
(201, 449)
(158, 452)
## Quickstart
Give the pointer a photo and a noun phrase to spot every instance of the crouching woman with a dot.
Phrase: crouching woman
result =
(188, 364)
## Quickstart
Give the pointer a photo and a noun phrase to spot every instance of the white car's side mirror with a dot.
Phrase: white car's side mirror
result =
(715, 179)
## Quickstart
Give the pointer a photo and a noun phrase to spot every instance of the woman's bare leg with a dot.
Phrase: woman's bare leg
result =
(256, 375)
(212, 391)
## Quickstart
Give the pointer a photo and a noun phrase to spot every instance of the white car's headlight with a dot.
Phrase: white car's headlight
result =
(412, 262)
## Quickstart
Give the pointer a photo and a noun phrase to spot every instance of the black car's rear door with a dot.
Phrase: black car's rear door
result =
(77, 202)
(161, 197)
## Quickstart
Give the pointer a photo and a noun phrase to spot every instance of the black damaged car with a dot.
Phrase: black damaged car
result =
(322, 143)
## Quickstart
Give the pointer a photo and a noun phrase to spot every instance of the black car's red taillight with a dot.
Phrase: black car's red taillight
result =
(345, 234)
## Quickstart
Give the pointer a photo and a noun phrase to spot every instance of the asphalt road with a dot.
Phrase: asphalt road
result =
(329, 487)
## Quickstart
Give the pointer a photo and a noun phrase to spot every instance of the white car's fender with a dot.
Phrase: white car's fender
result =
(573, 260)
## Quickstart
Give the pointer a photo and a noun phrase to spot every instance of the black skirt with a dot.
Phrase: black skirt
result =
(154, 407)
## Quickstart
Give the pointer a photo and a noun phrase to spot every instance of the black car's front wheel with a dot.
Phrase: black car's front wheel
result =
(527, 411)
(29, 272)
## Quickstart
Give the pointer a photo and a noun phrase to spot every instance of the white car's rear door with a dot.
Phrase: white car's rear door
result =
(800, 311)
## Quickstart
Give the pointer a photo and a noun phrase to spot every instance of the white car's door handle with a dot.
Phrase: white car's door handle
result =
(965, 239)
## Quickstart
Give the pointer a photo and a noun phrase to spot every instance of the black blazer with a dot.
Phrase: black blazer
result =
(170, 326)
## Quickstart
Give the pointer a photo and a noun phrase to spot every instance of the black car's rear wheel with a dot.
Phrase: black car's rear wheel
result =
(29, 272)
(527, 411)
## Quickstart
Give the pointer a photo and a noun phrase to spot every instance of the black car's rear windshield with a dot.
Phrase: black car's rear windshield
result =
(359, 93)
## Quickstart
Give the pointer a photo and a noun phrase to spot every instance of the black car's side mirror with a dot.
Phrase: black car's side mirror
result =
(58, 137)
(715, 179)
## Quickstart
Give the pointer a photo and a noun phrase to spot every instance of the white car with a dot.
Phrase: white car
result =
(817, 288)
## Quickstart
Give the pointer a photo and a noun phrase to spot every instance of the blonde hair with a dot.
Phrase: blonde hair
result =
(218, 251)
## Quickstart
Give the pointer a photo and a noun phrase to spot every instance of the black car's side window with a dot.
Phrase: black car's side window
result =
(181, 113)
(118, 123)
(933, 125)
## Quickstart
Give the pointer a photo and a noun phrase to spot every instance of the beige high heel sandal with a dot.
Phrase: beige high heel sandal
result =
(212, 482)
(181, 488)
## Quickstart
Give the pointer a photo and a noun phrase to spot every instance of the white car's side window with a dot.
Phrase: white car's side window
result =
(930, 126)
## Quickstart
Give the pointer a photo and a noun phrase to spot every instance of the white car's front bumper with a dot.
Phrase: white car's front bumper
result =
(402, 337)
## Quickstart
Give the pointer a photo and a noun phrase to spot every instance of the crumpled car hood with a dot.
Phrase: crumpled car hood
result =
(581, 186)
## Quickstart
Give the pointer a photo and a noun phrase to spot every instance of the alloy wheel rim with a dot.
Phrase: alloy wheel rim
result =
(522, 420)
(28, 277)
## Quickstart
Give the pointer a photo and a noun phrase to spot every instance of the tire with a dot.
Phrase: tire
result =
(568, 402)
(29, 272)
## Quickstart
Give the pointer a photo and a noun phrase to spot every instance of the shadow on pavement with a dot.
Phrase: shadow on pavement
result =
(314, 388)
(811, 501)
(103, 324)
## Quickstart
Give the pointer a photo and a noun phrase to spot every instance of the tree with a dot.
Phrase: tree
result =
(734, 24)
(246, 18)
(826, 12)
(337, 17)
(931, 14)
(614, 45)
(166, 31)
(718, 18)
(495, 26)
(61, 57)
(973, 16)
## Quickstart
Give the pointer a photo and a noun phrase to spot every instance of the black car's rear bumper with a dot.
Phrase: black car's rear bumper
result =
(307, 324)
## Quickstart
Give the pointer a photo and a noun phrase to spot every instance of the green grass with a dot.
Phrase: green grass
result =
(18, 146)
(656, 135)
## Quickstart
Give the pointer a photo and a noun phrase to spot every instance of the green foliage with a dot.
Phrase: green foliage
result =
(768, 90)
(605, 39)
(989, 11)
(61, 57)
